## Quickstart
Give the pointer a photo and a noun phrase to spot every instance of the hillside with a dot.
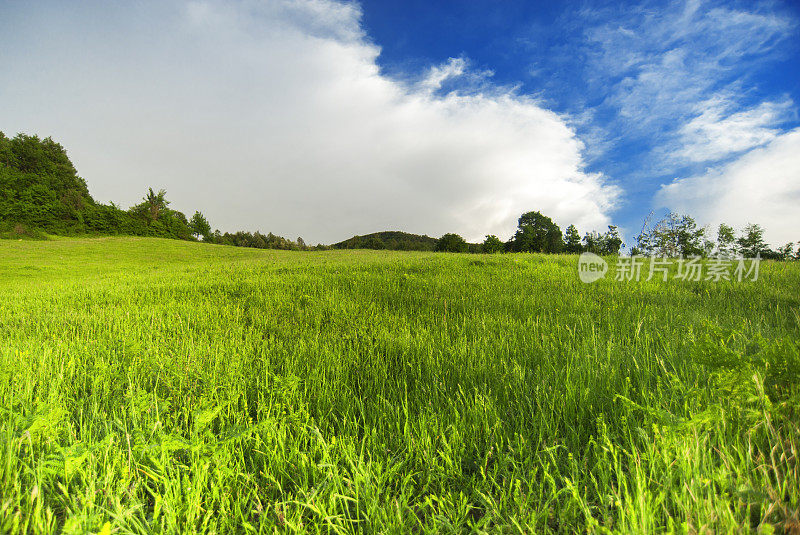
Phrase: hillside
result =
(390, 239)
(396, 240)
(163, 386)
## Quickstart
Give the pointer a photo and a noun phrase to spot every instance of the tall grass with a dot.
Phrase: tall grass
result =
(154, 386)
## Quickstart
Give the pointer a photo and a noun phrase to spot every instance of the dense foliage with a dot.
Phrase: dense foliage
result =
(39, 186)
(257, 240)
(492, 244)
(537, 233)
(41, 193)
(452, 243)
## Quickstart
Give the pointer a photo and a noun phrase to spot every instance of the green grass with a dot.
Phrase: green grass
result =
(155, 386)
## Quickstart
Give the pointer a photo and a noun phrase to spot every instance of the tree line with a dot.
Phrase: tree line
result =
(672, 236)
(41, 193)
(537, 233)
(679, 235)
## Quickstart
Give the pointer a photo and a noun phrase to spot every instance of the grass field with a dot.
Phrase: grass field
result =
(161, 386)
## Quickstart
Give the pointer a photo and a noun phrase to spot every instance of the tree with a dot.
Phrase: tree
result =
(200, 226)
(537, 233)
(671, 236)
(708, 247)
(751, 243)
(688, 237)
(451, 243)
(611, 241)
(787, 251)
(572, 240)
(644, 243)
(664, 237)
(492, 244)
(726, 241)
(154, 205)
(593, 242)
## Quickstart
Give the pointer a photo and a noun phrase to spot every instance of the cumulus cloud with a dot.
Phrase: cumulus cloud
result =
(275, 116)
(763, 186)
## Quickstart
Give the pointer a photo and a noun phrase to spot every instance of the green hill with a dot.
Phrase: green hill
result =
(389, 239)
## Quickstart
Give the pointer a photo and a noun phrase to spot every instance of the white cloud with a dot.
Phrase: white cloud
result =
(716, 132)
(669, 68)
(438, 74)
(763, 186)
(275, 116)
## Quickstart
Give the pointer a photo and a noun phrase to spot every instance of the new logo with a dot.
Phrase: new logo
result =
(591, 267)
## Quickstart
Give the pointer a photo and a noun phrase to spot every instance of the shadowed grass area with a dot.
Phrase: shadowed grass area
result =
(161, 386)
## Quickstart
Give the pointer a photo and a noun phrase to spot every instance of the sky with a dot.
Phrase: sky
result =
(326, 119)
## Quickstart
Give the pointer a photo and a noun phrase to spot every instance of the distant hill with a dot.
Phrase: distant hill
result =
(390, 239)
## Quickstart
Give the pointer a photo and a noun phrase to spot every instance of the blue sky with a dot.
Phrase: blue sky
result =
(325, 119)
(582, 59)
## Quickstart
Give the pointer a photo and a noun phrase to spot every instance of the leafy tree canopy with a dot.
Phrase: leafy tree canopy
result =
(751, 243)
(537, 233)
(200, 226)
(452, 243)
(492, 244)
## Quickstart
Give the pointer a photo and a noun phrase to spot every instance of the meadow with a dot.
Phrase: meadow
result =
(159, 386)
